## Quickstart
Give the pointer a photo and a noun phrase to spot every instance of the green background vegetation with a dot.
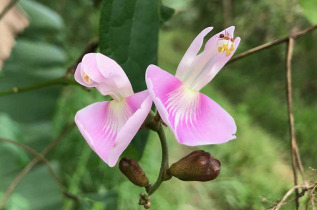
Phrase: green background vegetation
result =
(255, 171)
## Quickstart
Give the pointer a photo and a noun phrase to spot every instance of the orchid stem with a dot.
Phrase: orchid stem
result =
(58, 81)
(156, 126)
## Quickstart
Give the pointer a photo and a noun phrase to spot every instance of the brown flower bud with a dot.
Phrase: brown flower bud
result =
(147, 205)
(197, 166)
(131, 169)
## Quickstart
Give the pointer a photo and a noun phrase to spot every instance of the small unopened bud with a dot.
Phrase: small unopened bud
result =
(197, 166)
(147, 205)
(131, 169)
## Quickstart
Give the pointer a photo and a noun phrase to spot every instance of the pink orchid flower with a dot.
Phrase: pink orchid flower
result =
(193, 117)
(109, 127)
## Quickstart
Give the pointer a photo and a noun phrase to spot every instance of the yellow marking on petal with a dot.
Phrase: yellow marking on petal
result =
(87, 79)
(228, 52)
(232, 48)
(221, 49)
(225, 46)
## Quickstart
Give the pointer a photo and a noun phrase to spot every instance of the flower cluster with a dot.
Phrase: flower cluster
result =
(194, 118)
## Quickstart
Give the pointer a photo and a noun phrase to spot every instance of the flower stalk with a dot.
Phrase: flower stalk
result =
(156, 126)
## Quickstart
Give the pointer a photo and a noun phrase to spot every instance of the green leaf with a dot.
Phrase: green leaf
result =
(36, 54)
(11, 130)
(310, 8)
(42, 17)
(129, 35)
(166, 13)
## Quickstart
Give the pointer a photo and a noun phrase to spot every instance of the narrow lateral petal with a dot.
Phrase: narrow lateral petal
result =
(183, 68)
(213, 67)
(109, 127)
(193, 117)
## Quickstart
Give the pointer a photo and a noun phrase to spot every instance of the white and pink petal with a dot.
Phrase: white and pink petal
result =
(193, 117)
(109, 127)
(184, 67)
(100, 71)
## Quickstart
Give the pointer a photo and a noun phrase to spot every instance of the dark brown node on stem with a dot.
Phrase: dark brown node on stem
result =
(197, 166)
(145, 201)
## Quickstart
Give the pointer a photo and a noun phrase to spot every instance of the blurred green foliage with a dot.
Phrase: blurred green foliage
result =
(256, 168)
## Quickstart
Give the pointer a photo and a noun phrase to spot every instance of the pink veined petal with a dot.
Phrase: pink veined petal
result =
(90, 67)
(110, 69)
(213, 67)
(193, 117)
(109, 127)
(183, 68)
(110, 77)
(160, 83)
(141, 104)
(212, 125)
(79, 77)
(92, 122)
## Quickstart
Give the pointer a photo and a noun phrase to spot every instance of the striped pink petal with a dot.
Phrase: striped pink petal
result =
(100, 71)
(109, 127)
(194, 118)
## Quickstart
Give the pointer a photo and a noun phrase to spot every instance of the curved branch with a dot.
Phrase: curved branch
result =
(27, 169)
(59, 81)
(303, 187)
(164, 163)
(273, 43)
(35, 154)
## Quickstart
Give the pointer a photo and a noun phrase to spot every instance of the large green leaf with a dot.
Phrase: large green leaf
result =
(129, 35)
(41, 17)
(40, 55)
(310, 10)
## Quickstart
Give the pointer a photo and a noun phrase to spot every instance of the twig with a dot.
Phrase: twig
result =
(27, 169)
(59, 81)
(7, 8)
(91, 47)
(289, 54)
(303, 187)
(273, 43)
(36, 155)
(65, 80)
